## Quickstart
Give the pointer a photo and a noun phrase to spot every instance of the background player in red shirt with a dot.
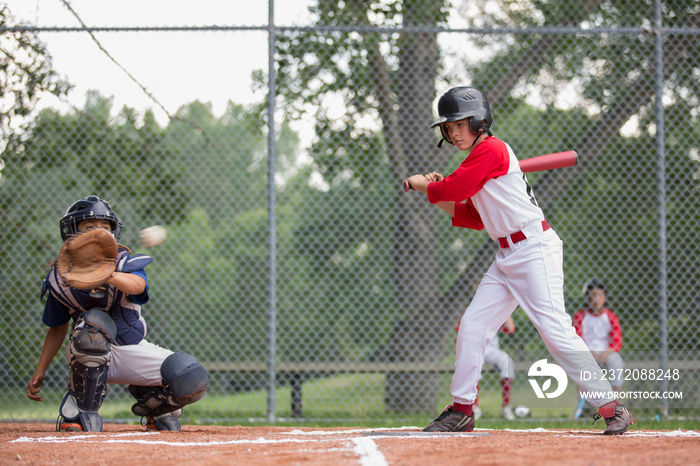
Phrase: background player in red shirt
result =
(600, 329)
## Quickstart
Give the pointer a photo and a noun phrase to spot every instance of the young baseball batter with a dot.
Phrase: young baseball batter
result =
(488, 190)
(107, 339)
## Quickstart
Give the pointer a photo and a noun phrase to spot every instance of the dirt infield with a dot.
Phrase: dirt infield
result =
(38, 443)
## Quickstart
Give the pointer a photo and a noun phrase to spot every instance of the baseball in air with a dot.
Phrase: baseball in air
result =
(152, 236)
(521, 411)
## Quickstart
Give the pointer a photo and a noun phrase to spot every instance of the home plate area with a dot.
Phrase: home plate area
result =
(37, 443)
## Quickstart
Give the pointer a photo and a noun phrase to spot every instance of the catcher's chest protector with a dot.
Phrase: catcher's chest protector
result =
(131, 327)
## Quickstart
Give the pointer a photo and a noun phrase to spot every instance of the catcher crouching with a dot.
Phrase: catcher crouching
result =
(102, 287)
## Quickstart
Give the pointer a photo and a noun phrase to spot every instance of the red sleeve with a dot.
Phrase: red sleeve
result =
(615, 331)
(466, 216)
(490, 159)
(578, 322)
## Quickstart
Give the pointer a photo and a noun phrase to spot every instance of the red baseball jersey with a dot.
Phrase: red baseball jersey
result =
(489, 190)
(600, 332)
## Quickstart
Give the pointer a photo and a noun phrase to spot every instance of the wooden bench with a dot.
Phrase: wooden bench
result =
(297, 372)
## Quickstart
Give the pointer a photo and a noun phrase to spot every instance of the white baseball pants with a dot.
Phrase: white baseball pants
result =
(529, 273)
(135, 364)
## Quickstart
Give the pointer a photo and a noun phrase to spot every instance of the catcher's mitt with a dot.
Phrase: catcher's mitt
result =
(87, 259)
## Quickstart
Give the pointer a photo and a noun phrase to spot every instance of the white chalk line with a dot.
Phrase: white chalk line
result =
(345, 432)
(123, 437)
(110, 437)
(629, 433)
(365, 448)
(107, 439)
(119, 437)
(369, 452)
(642, 433)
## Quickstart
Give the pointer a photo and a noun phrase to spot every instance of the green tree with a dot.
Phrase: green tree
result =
(201, 176)
(369, 70)
(25, 76)
(391, 78)
(617, 85)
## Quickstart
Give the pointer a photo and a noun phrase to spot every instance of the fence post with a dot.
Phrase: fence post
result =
(661, 199)
(271, 218)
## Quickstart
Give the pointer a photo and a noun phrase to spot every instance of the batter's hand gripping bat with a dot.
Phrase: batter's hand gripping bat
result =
(535, 164)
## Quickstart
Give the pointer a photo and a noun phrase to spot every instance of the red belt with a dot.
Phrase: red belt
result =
(519, 236)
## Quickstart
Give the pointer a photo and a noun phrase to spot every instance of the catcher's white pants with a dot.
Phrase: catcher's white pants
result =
(135, 364)
(529, 273)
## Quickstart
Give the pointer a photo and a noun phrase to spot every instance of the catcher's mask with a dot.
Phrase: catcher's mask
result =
(591, 285)
(85, 208)
(464, 102)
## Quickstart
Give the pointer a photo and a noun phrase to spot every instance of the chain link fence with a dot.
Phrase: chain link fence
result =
(330, 293)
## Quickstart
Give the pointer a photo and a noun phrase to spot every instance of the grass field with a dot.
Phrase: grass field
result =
(353, 399)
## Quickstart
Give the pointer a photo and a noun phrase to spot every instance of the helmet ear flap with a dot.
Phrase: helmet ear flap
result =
(478, 127)
(479, 123)
(445, 136)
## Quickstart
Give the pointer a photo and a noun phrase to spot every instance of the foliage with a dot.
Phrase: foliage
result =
(362, 68)
(335, 281)
(372, 74)
(361, 267)
(151, 175)
(25, 76)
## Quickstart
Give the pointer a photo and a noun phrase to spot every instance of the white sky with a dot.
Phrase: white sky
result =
(176, 67)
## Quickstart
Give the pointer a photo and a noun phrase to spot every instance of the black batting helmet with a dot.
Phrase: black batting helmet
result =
(464, 102)
(85, 208)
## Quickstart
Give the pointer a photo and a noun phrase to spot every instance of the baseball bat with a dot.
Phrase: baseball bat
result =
(567, 158)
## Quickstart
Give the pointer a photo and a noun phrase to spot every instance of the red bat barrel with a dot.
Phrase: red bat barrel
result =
(549, 162)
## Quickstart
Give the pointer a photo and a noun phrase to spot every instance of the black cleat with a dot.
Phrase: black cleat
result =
(164, 422)
(68, 426)
(618, 422)
(451, 421)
